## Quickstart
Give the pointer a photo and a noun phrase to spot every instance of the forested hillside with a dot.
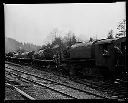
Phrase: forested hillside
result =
(13, 45)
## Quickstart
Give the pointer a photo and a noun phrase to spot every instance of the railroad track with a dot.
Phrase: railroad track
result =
(37, 91)
(52, 86)
(93, 84)
(22, 93)
(78, 94)
(101, 96)
(77, 80)
(41, 84)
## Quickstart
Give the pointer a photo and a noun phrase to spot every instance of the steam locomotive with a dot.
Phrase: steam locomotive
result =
(106, 57)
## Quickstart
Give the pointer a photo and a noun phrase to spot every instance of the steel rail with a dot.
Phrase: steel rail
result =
(25, 95)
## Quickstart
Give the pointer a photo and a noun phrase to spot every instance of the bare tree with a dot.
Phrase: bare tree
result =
(121, 28)
(70, 39)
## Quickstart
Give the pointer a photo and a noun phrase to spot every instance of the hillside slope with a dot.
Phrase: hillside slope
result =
(13, 45)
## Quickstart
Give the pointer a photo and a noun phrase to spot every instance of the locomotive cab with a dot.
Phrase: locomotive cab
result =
(109, 56)
(103, 52)
(104, 57)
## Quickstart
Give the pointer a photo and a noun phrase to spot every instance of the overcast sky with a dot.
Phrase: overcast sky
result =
(34, 22)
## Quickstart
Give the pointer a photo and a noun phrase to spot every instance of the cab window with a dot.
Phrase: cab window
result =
(104, 49)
